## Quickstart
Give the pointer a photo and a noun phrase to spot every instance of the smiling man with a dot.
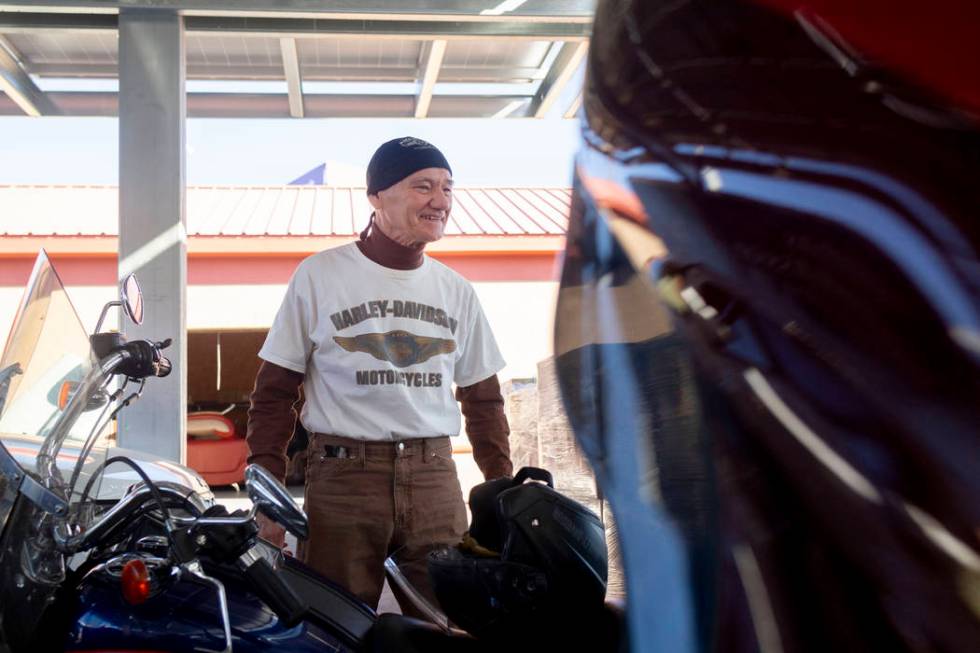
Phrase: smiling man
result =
(376, 333)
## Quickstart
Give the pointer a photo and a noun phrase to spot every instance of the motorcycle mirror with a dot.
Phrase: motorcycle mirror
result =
(132, 298)
(273, 500)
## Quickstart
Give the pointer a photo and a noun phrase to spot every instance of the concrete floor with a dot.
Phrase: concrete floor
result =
(232, 499)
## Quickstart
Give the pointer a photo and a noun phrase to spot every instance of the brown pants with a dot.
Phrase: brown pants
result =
(372, 499)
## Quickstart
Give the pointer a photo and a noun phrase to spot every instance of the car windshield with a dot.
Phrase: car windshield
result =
(47, 361)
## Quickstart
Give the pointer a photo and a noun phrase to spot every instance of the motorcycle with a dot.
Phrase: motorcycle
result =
(99, 559)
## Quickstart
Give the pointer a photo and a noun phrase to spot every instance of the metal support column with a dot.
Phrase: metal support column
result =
(152, 220)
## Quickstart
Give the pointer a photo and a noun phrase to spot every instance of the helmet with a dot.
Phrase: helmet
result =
(532, 555)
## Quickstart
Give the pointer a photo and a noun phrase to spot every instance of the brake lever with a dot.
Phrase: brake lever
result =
(162, 365)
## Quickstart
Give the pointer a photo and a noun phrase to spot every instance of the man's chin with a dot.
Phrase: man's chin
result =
(430, 235)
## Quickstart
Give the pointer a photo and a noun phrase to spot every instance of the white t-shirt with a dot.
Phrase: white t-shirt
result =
(380, 348)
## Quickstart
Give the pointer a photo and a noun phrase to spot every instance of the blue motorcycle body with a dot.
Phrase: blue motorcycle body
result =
(186, 617)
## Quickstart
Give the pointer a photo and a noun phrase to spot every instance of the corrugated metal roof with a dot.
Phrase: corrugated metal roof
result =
(446, 61)
(49, 210)
(238, 56)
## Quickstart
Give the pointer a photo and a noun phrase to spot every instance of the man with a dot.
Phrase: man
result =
(376, 333)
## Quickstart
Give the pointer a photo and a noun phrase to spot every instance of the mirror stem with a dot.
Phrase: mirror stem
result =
(105, 310)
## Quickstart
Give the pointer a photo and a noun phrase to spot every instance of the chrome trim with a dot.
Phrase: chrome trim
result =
(249, 558)
(224, 521)
(194, 569)
(114, 566)
(431, 613)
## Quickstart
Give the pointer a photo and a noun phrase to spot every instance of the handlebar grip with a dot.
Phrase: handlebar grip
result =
(272, 589)
(142, 358)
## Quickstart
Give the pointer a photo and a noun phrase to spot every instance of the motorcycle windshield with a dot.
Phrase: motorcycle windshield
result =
(49, 384)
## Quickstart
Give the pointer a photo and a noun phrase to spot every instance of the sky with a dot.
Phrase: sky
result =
(501, 152)
(482, 152)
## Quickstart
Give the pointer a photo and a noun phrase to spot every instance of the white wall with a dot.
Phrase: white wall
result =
(9, 301)
(87, 300)
(227, 306)
(208, 307)
(522, 316)
(521, 313)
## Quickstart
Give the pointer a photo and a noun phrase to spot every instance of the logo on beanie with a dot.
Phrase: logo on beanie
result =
(416, 143)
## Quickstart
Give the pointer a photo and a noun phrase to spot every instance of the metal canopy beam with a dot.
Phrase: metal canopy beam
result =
(314, 73)
(432, 55)
(529, 9)
(14, 22)
(294, 80)
(152, 216)
(568, 59)
(272, 105)
(17, 84)
(403, 28)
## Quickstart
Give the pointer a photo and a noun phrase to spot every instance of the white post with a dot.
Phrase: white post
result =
(152, 216)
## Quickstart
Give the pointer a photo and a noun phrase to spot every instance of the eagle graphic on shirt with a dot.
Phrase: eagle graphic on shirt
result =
(400, 348)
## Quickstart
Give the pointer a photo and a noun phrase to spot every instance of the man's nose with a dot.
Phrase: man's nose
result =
(441, 201)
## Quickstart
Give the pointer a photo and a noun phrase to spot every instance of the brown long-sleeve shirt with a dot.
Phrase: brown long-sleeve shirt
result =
(272, 415)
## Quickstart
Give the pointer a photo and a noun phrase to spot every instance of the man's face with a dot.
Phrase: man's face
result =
(415, 210)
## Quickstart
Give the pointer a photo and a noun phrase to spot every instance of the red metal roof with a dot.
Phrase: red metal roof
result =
(53, 210)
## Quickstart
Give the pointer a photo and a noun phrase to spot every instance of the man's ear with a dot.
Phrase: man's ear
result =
(375, 201)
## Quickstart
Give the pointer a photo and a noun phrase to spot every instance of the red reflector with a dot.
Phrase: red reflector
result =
(135, 582)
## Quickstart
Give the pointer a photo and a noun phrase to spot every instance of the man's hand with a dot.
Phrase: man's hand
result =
(271, 531)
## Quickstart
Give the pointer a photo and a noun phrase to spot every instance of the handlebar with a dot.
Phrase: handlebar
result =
(124, 511)
(265, 581)
(137, 359)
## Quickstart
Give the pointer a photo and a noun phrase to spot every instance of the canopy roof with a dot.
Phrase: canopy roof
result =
(280, 58)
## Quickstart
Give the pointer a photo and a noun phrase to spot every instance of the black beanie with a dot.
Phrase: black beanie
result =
(399, 158)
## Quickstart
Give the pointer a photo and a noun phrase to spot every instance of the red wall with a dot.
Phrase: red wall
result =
(215, 270)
